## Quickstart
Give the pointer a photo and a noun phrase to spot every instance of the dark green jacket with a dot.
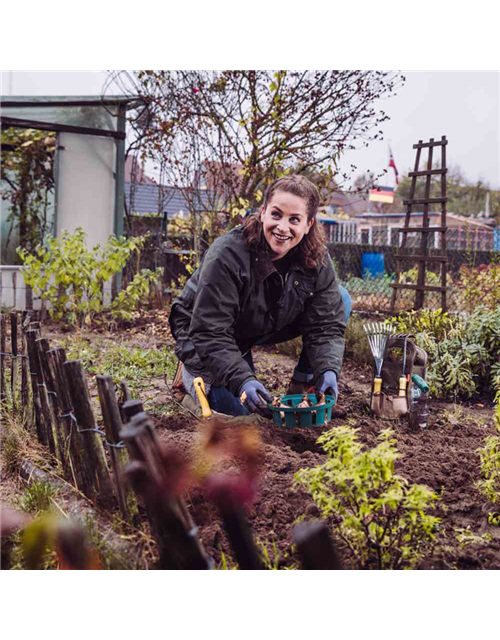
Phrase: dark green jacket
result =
(231, 304)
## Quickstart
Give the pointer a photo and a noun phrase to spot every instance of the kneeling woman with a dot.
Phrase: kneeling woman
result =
(265, 282)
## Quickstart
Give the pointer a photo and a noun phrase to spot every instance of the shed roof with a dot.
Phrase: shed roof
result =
(152, 198)
(70, 101)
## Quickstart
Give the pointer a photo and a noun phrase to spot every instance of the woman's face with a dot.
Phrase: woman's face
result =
(285, 222)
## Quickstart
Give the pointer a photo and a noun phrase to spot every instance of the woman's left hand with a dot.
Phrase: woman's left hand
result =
(327, 384)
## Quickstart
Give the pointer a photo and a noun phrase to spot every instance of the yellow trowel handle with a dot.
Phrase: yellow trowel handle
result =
(199, 387)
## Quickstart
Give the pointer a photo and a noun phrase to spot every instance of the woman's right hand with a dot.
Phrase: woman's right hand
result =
(254, 396)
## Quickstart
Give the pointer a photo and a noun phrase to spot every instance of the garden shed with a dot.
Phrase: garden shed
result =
(85, 187)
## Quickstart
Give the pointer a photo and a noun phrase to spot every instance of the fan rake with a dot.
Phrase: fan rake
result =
(377, 335)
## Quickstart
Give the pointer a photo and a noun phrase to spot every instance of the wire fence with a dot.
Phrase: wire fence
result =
(366, 267)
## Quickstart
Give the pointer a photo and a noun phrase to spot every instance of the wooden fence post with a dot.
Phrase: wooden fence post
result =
(49, 431)
(14, 288)
(74, 449)
(94, 459)
(14, 364)
(126, 395)
(31, 336)
(58, 434)
(131, 408)
(3, 342)
(178, 544)
(118, 454)
(25, 396)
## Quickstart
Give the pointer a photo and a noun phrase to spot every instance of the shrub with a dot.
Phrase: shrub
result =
(490, 463)
(438, 323)
(71, 277)
(480, 285)
(379, 516)
(464, 352)
(431, 278)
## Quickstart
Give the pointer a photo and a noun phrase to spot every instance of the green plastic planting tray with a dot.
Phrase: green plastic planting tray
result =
(304, 417)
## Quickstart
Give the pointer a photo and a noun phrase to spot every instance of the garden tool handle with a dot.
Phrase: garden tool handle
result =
(199, 387)
(377, 385)
(420, 382)
(403, 381)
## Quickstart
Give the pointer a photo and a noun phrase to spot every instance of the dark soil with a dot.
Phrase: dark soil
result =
(443, 457)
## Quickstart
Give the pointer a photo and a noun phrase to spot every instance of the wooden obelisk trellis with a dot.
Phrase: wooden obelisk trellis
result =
(423, 257)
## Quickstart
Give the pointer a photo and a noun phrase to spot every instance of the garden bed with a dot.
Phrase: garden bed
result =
(443, 457)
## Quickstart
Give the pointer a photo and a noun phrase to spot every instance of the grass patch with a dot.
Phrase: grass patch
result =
(135, 365)
(37, 497)
(19, 443)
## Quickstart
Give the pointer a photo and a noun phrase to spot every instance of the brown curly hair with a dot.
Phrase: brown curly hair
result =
(311, 251)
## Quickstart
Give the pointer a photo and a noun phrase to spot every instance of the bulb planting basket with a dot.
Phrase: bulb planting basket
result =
(291, 416)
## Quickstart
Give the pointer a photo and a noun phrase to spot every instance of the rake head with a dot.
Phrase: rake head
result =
(377, 334)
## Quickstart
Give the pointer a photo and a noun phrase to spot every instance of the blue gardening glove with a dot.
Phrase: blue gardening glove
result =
(327, 384)
(256, 396)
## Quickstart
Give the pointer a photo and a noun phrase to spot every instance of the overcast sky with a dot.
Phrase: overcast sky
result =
(463, 105)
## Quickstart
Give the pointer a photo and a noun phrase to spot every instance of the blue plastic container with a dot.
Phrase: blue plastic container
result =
(372, 265)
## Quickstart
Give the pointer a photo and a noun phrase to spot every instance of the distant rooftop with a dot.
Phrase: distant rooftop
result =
(153, 199)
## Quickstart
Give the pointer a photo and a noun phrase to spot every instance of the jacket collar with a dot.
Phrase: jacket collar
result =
(263, 266)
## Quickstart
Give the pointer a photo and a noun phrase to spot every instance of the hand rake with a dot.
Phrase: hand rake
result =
(377, 334)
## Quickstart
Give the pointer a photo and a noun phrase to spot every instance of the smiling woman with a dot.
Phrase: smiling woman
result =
(285, 222)
(266, 282)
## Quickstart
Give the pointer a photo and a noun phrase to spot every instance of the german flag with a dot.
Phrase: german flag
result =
(382, 194)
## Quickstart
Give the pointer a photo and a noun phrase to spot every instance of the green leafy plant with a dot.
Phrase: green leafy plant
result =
(433, 279)
(466, 537)
(37, 497)
(489, 456)
(480, 285)
(135, 365)
(437, 323)
(463, 351)
(129, 298)
(271, 557)
(377, 514)
(71, 277)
